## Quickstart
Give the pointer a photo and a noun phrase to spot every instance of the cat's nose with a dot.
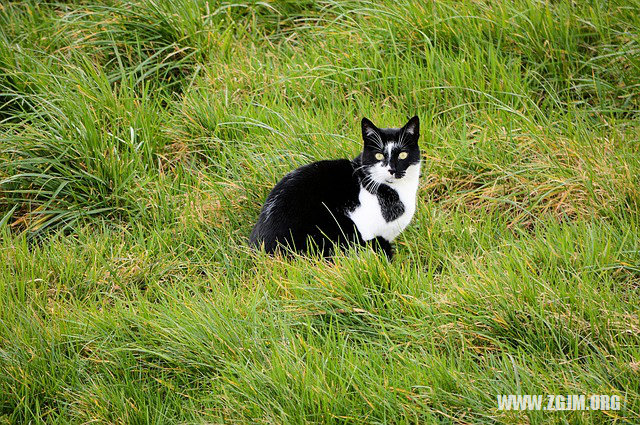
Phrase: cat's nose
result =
(392, 171)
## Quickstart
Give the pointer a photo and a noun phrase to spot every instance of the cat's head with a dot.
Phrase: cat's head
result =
(389, 153)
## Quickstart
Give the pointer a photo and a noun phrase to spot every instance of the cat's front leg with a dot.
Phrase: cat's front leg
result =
(381, 244)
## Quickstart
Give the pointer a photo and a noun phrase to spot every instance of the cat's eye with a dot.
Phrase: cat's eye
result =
(379, 156)
(403, 155)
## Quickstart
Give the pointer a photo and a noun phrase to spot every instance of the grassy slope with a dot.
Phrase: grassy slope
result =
(138, 140)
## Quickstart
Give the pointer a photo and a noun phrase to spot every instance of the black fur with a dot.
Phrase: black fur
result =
(308, 209)
(390, 203)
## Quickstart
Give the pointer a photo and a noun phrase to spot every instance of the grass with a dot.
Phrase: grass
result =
(139, 138)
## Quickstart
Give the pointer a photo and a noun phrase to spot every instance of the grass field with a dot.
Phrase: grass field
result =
(138, 140)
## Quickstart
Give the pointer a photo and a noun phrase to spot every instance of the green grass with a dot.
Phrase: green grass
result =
(139, 139)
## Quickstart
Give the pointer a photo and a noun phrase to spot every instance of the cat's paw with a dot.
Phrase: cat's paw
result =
(381, 244)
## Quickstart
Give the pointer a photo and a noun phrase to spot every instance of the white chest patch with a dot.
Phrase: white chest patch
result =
(368, 216)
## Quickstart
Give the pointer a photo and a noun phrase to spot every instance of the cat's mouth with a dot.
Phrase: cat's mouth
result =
(395, 178)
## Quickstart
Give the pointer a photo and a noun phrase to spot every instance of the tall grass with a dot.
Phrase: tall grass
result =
(139, 139)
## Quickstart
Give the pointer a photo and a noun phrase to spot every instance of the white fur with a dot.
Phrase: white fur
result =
(368, 215)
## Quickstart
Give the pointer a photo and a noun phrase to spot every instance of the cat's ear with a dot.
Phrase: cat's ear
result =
(411, 130)
(370, 133)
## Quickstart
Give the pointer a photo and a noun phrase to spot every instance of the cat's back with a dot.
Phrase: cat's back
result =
(330, 180)
(309, 197)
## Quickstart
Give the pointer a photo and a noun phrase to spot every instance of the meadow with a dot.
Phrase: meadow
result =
(138, 140)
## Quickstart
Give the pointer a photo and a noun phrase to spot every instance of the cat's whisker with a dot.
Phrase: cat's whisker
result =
(380, 142)
(377, 141)
(355, 170)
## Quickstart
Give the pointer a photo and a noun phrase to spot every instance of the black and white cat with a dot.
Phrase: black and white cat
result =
(370, 199)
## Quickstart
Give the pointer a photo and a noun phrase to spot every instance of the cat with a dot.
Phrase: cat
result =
(368, 200)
